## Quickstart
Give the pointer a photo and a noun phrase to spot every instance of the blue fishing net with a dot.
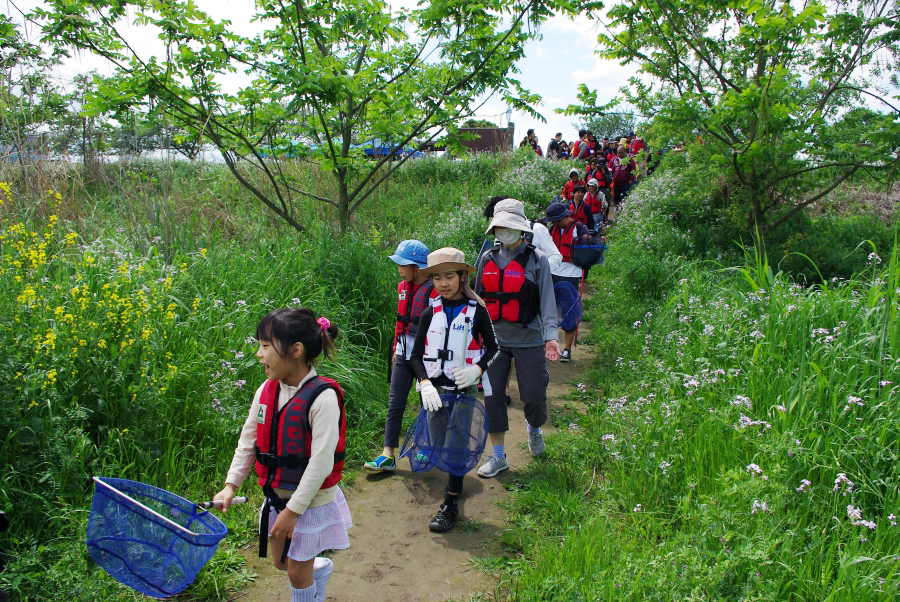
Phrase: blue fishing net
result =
(451, 439)
(568, 305)
(142, 550)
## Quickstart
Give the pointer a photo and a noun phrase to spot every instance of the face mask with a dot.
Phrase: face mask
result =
(507, 236)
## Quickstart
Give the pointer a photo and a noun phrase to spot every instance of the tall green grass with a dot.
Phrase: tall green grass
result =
(723, 428)
(126, 344)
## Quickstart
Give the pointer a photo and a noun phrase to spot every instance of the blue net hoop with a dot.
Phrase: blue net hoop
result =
(149, 539)
(451, 439)
(568, 305)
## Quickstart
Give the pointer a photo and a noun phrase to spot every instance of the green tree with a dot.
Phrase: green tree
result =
(478, 123)
(615, 122)
(763, 84)
(328, 78)
(29, 99)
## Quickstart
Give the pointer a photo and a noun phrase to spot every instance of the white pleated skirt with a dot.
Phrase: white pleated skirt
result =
(319, 529)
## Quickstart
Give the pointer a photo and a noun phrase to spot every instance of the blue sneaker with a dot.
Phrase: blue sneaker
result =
(380, 464)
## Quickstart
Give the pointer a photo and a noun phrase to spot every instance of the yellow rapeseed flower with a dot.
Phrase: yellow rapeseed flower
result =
(49, 341)
(101, 344)
(28, 296)
(203, 253)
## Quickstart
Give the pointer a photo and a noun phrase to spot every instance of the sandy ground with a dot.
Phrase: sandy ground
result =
(393, 557)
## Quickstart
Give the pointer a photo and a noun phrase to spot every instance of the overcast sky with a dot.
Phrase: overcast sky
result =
(553, 66)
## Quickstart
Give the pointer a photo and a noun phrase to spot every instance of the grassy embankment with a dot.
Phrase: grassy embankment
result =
(125, 328)
(739, 436)
(127, 310)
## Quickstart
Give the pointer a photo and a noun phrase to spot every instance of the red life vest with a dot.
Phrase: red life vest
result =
(578, 213)
(412, 300)
(593, 201)
(507, 293)
(569, 188)
(284, 438)
(563, 239)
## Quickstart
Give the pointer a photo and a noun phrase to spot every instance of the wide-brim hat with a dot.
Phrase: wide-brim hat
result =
(447, 259)
(623, 141)
(509, 213)
(556, 211)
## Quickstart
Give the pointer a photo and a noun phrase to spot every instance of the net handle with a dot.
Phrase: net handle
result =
(98, 481)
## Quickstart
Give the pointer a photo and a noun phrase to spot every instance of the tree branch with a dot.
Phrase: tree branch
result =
(790, 214)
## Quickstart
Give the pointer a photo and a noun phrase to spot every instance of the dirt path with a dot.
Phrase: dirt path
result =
(393, 557)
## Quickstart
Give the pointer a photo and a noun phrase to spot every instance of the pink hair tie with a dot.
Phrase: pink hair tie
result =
(324, 324)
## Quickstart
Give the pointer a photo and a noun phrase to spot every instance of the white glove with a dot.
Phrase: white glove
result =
(431, 401)
(466, 377)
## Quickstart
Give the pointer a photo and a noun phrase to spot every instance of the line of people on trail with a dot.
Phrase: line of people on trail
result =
(451, 340)
(610, 172)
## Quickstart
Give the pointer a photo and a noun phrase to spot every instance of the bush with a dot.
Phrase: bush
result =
(119, 364)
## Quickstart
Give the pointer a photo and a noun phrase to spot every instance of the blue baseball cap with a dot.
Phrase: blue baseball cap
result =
(411, 252)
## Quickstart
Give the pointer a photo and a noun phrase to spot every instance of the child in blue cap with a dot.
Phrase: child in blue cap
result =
(414, 294)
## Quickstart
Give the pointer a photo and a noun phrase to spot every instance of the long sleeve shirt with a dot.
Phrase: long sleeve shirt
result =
(544, 242)
(623, 171)
(324, 417)
(482, 328)
(544, 327)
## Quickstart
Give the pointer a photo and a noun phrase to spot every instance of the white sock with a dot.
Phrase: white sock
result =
(307, 594)
(322, 569)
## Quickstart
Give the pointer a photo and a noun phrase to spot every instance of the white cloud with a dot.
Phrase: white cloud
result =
(582, 31)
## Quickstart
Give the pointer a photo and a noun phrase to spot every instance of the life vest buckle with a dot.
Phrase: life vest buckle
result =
(445, 354)
(291, 462)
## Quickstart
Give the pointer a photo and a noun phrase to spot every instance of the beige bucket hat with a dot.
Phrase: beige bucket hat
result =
(447, 259)
(509, 213)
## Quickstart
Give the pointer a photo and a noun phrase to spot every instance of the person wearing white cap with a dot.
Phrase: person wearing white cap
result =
(594, 200)
(516, 283)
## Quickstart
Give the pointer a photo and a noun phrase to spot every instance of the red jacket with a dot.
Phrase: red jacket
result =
(569, 188)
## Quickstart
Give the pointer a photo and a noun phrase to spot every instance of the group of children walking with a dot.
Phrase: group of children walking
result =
(449, 338)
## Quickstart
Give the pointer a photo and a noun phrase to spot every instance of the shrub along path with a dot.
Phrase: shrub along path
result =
(393, 557)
